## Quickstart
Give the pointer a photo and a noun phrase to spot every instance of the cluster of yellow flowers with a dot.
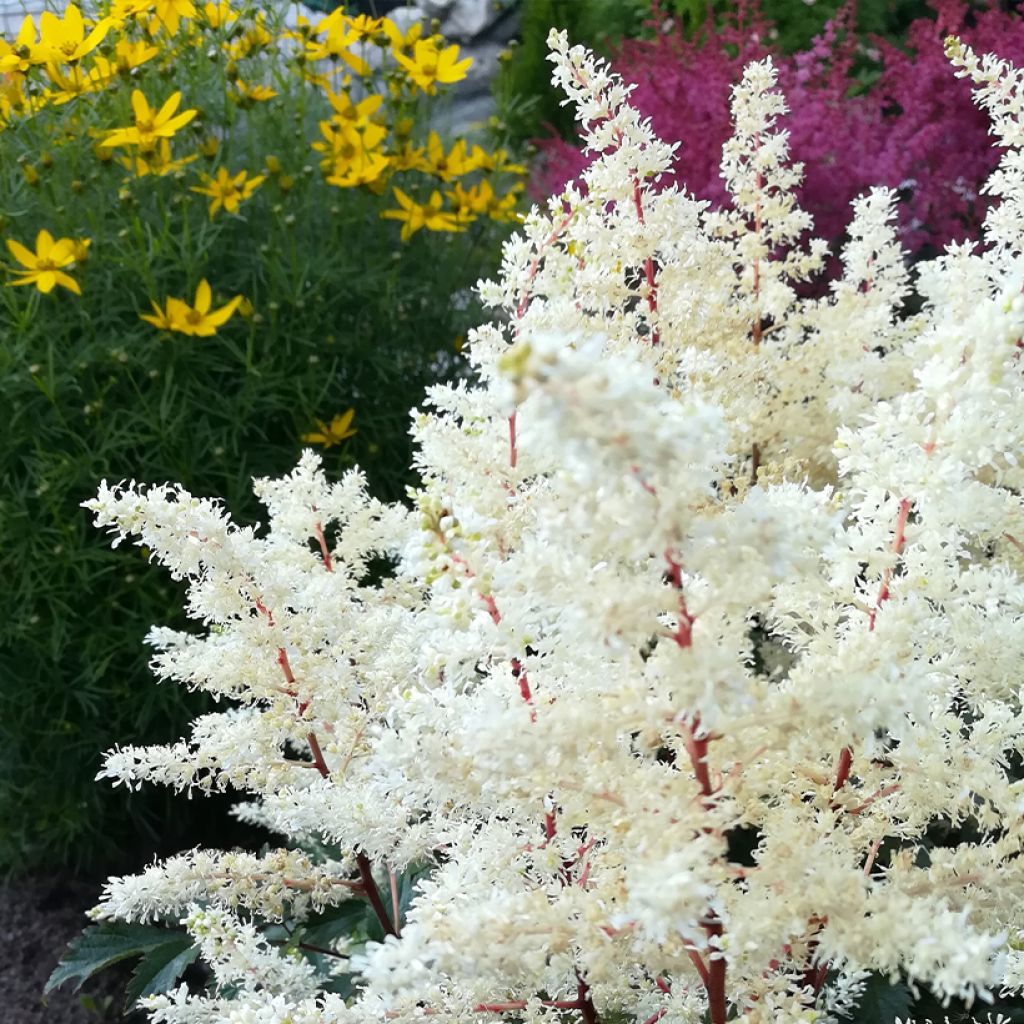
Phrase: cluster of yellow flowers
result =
(355, 64)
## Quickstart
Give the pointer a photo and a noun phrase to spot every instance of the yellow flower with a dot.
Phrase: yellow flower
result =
(227, 190)
(339, 36)
(351, 155)
(249, 94)
(402, 42)
(454, 164)
(20, 55)
(70, 83)
(256, 37)
(198, 321)
(365, 27)
(409, 158)
(429, 65)
(65, 40)
(45, 267)
(217, 15)
(496, 162)
(157, 161)
(123, 10)
(480, 199)
(414, 216)
(150, 124)
(169, 14)
(354, 114)
(334, 432)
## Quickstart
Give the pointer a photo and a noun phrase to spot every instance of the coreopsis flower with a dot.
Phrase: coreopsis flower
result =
(20, 55)
(48, 266)
(67, 40)
(197, 320)
(450, 165)
(414, 216)
(256, 38)
(218, 15)
(430, 64)
(353, 114)
(158, 161)
(333, 39)
(329, 434)
(226, 190)
(480, 200)
(169, 14)
(151, 124)
(69, 83)
(402, 42)
(246, 94)
(351, 155)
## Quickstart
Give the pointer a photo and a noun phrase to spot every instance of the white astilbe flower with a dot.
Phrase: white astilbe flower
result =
(700, 630)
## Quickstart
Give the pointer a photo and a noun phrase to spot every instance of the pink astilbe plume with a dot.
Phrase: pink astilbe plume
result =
(915, 130)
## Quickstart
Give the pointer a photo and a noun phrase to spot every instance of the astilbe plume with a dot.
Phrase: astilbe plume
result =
(696, 557)
(915, 129)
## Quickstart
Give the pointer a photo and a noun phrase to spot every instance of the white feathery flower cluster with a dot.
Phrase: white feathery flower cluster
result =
(706, 614)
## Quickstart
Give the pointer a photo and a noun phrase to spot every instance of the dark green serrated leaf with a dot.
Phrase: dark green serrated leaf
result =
(883, 1001)
(336, 923)
(160, 968)
(100, 946)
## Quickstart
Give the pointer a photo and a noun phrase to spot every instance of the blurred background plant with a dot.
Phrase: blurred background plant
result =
(867, 84)
(225, 238)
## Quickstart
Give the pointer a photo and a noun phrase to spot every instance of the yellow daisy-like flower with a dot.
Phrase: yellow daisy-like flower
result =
(69, 83)
(64, 40)
(198, 320)
(448, 166)
(150, 124)
(46, 267)
(353, 114)
(330, 434)
(217, 15)
(20, 55)
(169, 14)
(338, 36)
(157, 162)
(246, 95)
(414, 216)
(227, 191)
(429, 64)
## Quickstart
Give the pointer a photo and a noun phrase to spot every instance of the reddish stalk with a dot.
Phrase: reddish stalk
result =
(899, 536)
(373, 893)
(395, 915)
(324, 553)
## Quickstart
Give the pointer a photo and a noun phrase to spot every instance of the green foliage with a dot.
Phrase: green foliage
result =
(164, 952)
(343, 315)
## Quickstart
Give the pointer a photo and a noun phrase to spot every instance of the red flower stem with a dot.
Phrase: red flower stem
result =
(373, 893)
(899, 536)
(520, 312)
(715, 985)
(324, 553)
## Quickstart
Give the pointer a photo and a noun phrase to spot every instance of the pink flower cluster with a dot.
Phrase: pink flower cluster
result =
(916, 129)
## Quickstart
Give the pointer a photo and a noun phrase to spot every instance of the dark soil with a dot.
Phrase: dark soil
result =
(38, 917)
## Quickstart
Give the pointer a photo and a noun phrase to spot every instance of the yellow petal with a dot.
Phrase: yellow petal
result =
(139, 106)
(68, 282)
(204, 296)
(170, 106)
(24, 256)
